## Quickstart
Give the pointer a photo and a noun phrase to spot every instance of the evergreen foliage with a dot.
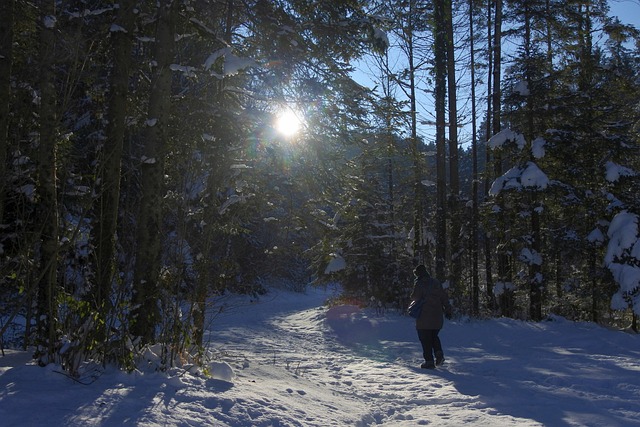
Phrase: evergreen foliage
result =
(143, 178)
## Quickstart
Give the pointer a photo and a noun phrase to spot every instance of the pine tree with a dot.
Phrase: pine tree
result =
(7, 10)
(47, 191)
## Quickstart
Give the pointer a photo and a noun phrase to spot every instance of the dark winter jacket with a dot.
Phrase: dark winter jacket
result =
(436, 302)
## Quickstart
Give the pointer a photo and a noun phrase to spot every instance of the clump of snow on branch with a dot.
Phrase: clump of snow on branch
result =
(623, 260)
(147, 160)
(522, 88)
(49, 21)
(232, 200)
(186, 70)
(501, 138)
(614, 171)
(537, 147)
(502, 287)
(115, 28)
(232, 63)
(530, 257)
(381, 36)
(518, 177)
(596, 236)
(337, 263)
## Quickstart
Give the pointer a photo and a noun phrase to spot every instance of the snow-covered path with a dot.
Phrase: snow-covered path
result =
(352, 367)
(296, 363)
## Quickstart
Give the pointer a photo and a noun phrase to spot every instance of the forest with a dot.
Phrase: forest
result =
(143, 176)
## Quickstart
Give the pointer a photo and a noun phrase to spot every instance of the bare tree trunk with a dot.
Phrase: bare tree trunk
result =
(109, 172)
(488, 248)
(536, 283)
(441, 164)
(418, 214)
(46, 172)
(455, 241)
(475, 279)
(148, 254)
(503, 258)
(497, 68)
(7, 10)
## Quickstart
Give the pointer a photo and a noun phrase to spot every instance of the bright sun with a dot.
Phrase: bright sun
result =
(288, 123)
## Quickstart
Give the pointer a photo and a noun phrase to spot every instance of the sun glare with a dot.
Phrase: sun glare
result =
(288, 123)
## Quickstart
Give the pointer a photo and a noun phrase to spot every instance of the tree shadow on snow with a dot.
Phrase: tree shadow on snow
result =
(531, 371)
(114, 399)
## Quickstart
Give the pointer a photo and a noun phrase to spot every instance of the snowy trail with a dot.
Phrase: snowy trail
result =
(365, 367)
(298, 364)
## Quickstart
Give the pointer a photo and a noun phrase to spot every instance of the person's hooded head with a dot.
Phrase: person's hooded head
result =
(420, 270)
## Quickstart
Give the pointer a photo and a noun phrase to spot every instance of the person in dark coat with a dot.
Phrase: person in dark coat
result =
(428, 325)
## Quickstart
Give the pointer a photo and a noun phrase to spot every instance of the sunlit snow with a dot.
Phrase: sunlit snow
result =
(287, 360)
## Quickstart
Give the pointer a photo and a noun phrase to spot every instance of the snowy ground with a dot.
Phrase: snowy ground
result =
(295, 363)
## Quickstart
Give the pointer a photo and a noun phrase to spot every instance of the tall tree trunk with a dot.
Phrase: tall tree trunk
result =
(7, 10)
(455, 240)
(497, 68)
(46, 173)
(535, 269)
(441, 163)
(389, 142)
(536, 284)
(109, 172)
(503, 258)
(475, 274)
(199, 304)
(148, 254)
(488, 240)
(418, 220)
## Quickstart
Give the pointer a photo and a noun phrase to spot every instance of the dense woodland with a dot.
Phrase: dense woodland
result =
(142, 178)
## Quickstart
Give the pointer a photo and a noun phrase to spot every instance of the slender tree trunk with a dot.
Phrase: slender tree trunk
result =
(488, 240)
(390, 148)
(7, 10)
(536, 284)
(497, 68)
(46, 189)
(148, 254)
(418, 220)
(441, 164)
(109, 172)
(535, 271)
(455, 241)
(475, 275)
(503, 258)
(549, 36)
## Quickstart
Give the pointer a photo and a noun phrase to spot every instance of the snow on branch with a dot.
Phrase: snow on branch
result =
(498, 140)
(614, 171)
(537, 147)
(186, 70)
(530, 257)
(232, 200)
(337, 263)
(518, 177)
(623, 260)
(232, 63)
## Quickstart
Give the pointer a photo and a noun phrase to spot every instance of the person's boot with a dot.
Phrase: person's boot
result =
(428, 365)
(439, 358)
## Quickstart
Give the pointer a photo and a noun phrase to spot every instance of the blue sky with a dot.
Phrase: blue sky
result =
(627, 10)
